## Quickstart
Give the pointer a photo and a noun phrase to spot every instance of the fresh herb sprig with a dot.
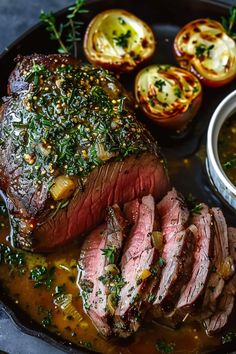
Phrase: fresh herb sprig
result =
(109, 252)
(67, 34)
(165, 347)
(229, 23)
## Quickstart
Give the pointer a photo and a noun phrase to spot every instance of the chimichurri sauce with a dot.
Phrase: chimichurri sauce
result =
(227, 148)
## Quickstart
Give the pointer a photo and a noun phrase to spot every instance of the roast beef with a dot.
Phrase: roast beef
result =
(216, 280)
(202, 262)
(63, 118)
(225, 303)
(137, 265)
(177, 252)
(101, 248)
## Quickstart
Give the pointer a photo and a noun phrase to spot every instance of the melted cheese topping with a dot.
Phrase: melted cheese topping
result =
(120, 38)
(165, 91)
(208, 48)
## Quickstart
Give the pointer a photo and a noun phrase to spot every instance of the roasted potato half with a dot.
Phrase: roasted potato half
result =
(204, 47)
(117, 40)
(168, 95)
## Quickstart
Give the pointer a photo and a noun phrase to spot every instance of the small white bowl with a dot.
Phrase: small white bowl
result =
(215, 171)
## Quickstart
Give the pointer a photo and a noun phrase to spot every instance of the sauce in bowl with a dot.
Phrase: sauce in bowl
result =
(227, 148)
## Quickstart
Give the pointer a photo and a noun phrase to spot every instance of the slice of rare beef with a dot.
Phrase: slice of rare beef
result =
(177, 252)
(225, 303)
(202, 263)
(97, 268)
(217, 278)
(70, 146)
(137, 264)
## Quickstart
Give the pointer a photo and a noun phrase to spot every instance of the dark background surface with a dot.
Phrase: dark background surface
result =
(16, 16)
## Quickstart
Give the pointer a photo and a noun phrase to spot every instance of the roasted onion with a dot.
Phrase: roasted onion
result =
(117, 40)
(170, 96)
(204, 47)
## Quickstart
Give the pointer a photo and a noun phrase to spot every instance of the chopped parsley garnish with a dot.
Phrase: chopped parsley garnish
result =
(159, 84)
(230, 164)
(178, 92)
(110, 253)
(154, 271)
(12, 257)
(165, 347)
(114, 284)
(197, 209)
(228, 337)
(122, 39)
(161, 262)
(122, 21)
(47, 320)
(202, 49)
(151, 298)
(42, 276)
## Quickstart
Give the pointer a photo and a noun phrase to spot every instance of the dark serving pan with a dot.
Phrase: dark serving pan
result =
(166, 17)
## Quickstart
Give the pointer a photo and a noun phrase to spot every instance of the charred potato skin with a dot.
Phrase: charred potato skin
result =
(179, 120)
(190, 61)
(117, 64)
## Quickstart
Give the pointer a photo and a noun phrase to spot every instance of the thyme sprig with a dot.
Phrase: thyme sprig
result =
(229, 23)
(68, 33)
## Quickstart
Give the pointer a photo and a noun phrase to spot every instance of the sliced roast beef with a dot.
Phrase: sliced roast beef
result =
(70, 147)
(202, 262)
(139, 256)
(177, 252)
(216, 279)
(101, 249)
(131, 211)
(226, 301)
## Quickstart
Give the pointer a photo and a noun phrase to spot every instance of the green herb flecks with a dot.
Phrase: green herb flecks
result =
(177, 92)
(228, 337)
(228, 165)
(123, 39)
(42, 276)
(47, 316)
(47, 320)
(12, 257)
(151, 298)
(35, 72)
(161, 262)
(114, 283)
(229, 23)
(197, 209)
(203, 50)
(110, 253)
(66, 33)
(159, 84)
(165, 347)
